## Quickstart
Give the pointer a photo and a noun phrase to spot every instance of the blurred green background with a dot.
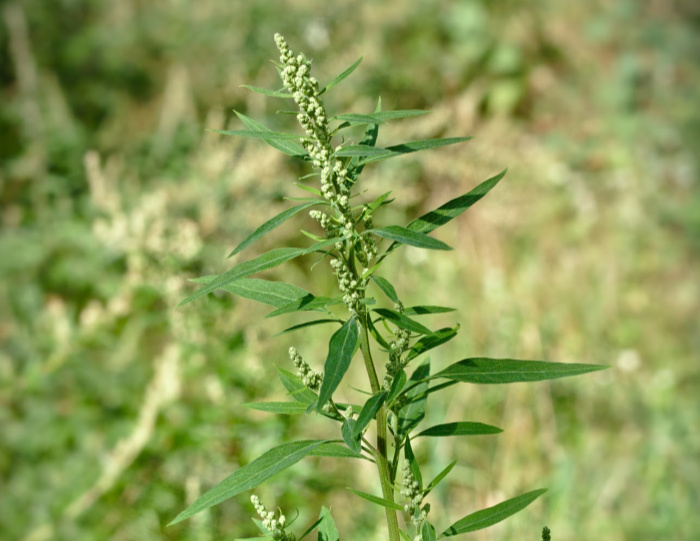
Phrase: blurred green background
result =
(116, 410)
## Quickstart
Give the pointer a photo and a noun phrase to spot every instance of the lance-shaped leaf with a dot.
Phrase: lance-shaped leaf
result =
(348, 432)
(342, 76)
(361, 151)
(376, 499)
(378, 202)
(369, 139)
(288, 147)
(357, 119)
(334, 450)
(450, 210)
(284, 408)
(368, 412)
(404, 235)
(296, 388)
(458, 429)
(266, 261)
(492, 515)
(427, 309)
(272, 93)
(326, 529)
(402, 321)
(379, 117)
(414, 412)
(489, 371)
(264, 135)
(308, 303)
(272, 223)
(341, 348)
(308, 324)
(386, 287)
(412, 462)
(427, 532)
(439, 477)
(251, 475)
(412, 146)
(275, 294)
(396, 387)
(430, 341)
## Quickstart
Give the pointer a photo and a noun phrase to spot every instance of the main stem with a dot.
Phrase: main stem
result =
(381, 455)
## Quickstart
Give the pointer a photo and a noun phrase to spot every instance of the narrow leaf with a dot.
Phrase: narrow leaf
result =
(334, 450)
(427, 532)
(275, 294)
(296, 388)
(414, 412)
(490, 371)
(341, 348)
(413, 146)
(271, 93)
(368, 412)
(271, 224)
(251, 475)
(396, 387)
(351, 439)
(431, 341)
(402, 321)
(439, 477)
(427, 309)
(308, 303)
(368, 139)
(386, 288)
(361, 151)
(264, 135)
(326, 529)
(290, 148)
(378, 202)
(450, 210)
(376, 499)
(285, 408)
(492, 515)
(459, 429)
(412, 238)
(307, 324)
(380, 117)
(356, 119)
(342, 76)
(413, 463)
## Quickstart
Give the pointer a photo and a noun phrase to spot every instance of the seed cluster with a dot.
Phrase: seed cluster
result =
(353, 289)
(412, 491)
(274, 525)
(398, 347)
(310, 378)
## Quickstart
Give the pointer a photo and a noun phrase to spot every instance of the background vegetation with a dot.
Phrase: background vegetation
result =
(116, 410)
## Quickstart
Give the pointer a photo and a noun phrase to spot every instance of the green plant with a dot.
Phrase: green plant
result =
(353, 246)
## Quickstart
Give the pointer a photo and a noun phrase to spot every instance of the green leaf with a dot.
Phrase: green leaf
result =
(268, 260)
(271, 224)
(378, 337)
(368, 139)
(311, 528)
(351, 439)
(326, 529)
(412, 146)
(290, 148)
(414, 412)
(309, 189)
(356, 119)
(492, 515)
(368, 412)
(405, 536)
(380, 117)
(378, 202)
(342, 76)
(459, 429)
(426, 309)
(386, 287)
(450, 210)
(427, 532)
(491, 371)
(264, 135)
(308, 324)
(251, 475)
(439, 477)
(308, 303)
(361, 151)
(275, 294)
(431, 341)
(412, 238)
(413, 463)
(285, 408)
(402, 321)
(296, 388)
(333, 450)
(271, 93)
(396, 387)
(341, 348)
(376, 499)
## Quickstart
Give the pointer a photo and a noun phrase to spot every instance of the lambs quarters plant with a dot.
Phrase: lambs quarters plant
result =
(356, 249)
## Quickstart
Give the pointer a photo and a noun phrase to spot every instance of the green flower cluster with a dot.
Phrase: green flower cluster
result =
(398, 347)
(310, 378)
(412, 491)
(274, 525)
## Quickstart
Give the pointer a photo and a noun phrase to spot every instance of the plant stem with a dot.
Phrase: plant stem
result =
(381, 455)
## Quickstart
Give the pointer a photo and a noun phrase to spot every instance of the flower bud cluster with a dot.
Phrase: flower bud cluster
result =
(368, 246)
(398, 347)
(274, 525)
(352, 289)
(310, 378)
(412, 491)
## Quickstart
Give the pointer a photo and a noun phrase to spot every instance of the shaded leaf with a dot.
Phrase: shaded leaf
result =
(459, 429)
(308, 324)
(308, 303)
(334, 450)
(290, 148)
(275, 294)
(492, 515)
(492, 371)
(342, 76)
(368, 412)
(251, 475)
(396, 387)
(285, 408)
(368, 139)
(351, 439)
(403, 235)
(430, 341)
(402, 321)
(376, 499)
(413, 463)
(450, 210)
(326, 529)
(386, 288)
(427, 532)
(341, 348)
(412, 146)
(272, 223)
(414, 412)
(427, 309)
(439, 477)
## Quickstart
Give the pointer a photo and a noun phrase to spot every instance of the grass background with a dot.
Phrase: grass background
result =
(116, 410)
